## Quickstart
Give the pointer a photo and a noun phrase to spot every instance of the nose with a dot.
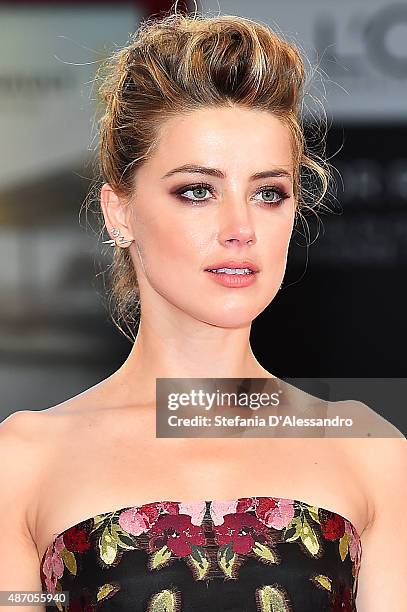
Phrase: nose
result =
(235, 224)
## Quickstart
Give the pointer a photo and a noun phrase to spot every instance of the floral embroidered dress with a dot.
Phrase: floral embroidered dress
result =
(251, 554)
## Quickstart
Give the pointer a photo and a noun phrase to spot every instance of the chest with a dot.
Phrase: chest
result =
(114, 472)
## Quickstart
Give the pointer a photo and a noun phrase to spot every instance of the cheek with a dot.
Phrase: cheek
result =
(275, 241)
(276, 238)
(172, 247)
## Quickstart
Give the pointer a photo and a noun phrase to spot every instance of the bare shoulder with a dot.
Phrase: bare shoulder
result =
(21, 457)
(22, 448)
(26, 441)
(25, 433)
(365, 422)
(30, 433)
(18, 433)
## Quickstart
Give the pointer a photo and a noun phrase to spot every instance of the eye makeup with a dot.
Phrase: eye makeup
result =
(282, 195)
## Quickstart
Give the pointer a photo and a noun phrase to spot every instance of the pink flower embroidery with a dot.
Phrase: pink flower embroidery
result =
(53, 566)
(218, 509)
(355, 546)
(133, 521)
(139, 519)
(196, 510)
(274, 511)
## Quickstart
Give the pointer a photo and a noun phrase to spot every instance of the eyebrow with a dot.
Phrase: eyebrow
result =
(275, 172)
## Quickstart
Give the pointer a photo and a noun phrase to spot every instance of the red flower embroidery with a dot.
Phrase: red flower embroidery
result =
(243, 504)
(275, 512)
(332, 525)
(243, 530)
(76, 540)
(177, 532)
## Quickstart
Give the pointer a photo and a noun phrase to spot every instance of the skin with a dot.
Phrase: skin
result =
(90, 454)
(177, 240)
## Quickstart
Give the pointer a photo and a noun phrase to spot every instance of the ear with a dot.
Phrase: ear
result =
(115, 210)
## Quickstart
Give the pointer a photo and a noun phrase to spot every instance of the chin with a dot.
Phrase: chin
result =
(231, 319)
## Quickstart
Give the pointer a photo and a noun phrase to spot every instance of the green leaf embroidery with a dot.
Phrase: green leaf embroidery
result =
(226, 559)
(107, 590)
(313, 510)
(323, 581)
(118, 531)
(199, 560)
(107, 546)
(160, 557)
(344, 545)
(70, 561)
(308, 537)
(297, 524)
(271, 599)
(97, 522)
(264, 552)
(165, 601)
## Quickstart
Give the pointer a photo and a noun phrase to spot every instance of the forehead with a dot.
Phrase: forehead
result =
(225, 135)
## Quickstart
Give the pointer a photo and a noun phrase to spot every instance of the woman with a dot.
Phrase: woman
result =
(200, 151)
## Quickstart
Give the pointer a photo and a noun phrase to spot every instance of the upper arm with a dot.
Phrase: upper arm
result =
(383, 572)
(19, 562)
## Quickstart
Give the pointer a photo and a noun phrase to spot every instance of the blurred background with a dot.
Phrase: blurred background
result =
(342, 310)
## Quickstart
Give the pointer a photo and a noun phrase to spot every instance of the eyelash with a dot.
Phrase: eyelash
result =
(281, 193)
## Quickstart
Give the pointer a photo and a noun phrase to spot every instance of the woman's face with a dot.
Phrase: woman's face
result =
(184, 222)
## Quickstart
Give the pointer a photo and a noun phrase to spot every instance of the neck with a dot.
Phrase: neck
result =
(187, 348)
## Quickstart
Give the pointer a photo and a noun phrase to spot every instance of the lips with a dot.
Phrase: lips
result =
(233, 263)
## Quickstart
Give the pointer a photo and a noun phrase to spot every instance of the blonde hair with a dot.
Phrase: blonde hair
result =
(179, 63)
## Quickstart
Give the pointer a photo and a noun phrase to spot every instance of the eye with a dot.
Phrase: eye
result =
(197, 190)
(271, 192)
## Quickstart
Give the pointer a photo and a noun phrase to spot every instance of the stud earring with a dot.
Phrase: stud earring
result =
(118, 239)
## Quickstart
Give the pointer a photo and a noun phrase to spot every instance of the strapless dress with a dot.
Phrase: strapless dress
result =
(250, 554)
